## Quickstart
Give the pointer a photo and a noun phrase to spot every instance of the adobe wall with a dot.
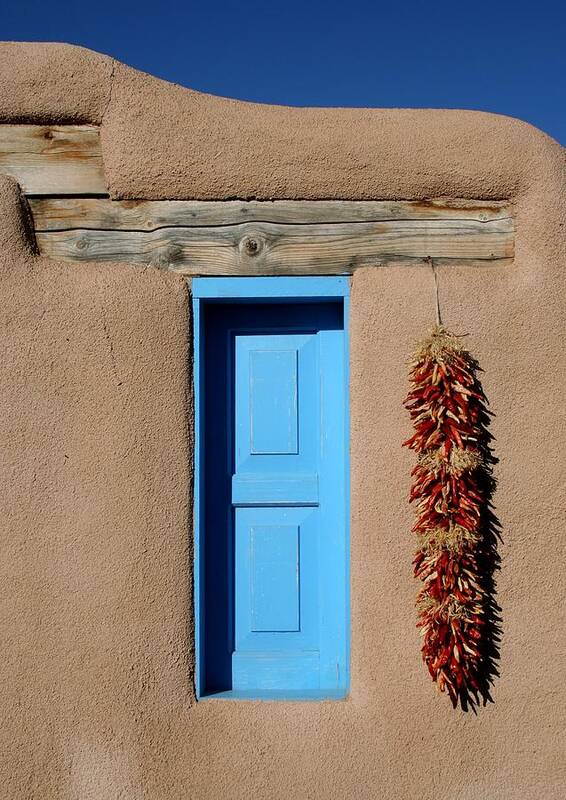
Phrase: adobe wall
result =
(95, 416)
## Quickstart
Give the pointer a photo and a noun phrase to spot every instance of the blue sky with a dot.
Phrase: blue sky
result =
(502, 56)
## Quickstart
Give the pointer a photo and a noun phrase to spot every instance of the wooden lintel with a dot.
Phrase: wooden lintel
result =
(276, 238)
(52, 214)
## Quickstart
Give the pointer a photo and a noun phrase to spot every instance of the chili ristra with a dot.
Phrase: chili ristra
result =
(448, 410)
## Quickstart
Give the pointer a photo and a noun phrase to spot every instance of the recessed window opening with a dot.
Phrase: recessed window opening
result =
(271, 530)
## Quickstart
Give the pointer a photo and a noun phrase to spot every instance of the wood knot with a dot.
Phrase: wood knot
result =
(251, 245)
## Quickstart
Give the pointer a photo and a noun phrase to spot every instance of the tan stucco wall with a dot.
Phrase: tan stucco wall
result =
(95, 417)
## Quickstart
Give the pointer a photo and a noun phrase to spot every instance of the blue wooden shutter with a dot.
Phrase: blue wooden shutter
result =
(289, 551)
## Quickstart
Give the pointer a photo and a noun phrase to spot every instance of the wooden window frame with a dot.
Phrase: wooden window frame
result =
(261, 290)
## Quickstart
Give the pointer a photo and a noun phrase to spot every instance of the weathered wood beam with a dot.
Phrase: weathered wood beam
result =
(53, 214)
(282, 238)
(53, 159)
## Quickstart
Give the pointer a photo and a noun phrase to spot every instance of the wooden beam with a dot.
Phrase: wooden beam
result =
(197, 238)
(53, 159)
(148, 215)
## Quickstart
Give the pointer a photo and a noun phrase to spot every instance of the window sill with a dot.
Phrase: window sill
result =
(277, 696)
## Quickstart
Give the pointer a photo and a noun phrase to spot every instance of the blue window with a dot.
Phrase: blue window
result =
(272, 487)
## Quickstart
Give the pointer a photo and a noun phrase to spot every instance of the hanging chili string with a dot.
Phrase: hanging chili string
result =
(449, 411)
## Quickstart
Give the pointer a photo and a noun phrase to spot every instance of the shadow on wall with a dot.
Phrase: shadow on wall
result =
(488, 562)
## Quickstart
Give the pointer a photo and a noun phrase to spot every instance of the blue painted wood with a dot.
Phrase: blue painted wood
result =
(198, 499)
(334, 574)
(275, 695)
(274, 578)
(271, 394)
(276, 671)
(271, 549)
(285, 418)
(275, 489)
(301, 289)
(297, 596)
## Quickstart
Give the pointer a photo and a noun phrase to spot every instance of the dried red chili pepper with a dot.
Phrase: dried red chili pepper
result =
(446, 404)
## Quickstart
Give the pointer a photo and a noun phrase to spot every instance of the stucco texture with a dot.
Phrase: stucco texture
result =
(96, 631)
